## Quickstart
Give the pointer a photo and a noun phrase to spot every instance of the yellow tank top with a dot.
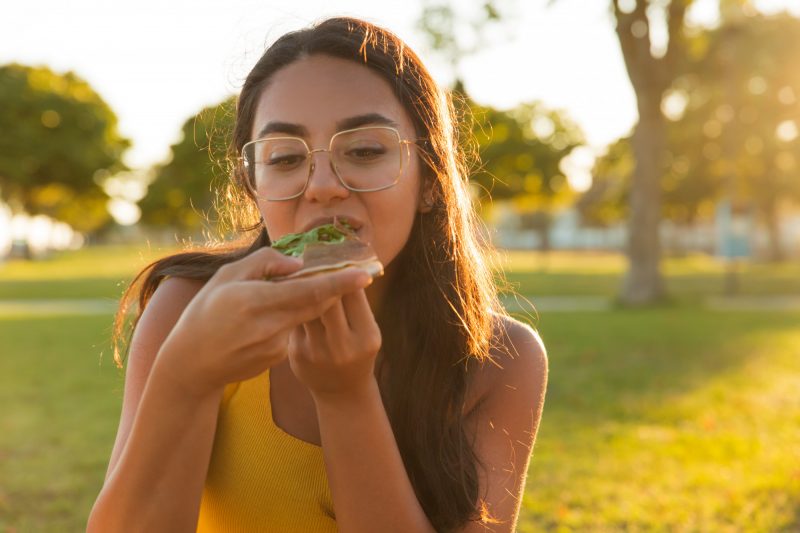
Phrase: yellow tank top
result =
(260, 478)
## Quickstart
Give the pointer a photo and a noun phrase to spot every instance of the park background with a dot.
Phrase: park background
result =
(639, 173)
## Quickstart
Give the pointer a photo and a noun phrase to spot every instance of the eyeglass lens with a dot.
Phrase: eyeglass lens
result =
(364, 159)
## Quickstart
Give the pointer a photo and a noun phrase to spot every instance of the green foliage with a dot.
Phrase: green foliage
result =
(744, 109)
(60, 141)
(455, 32)
(606, 201)
(183, 191)
(521, 151)
(740, 91)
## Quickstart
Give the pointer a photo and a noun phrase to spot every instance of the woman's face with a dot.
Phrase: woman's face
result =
(314, 98)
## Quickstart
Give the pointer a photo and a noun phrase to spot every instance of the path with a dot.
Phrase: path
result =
(541, 304)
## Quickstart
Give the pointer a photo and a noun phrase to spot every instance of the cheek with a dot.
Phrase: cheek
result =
(277, 217)
(392, 223)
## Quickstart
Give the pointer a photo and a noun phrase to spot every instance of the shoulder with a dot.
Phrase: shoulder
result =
(162, 312)
(519, 348)
(517, 366)
(174, 293)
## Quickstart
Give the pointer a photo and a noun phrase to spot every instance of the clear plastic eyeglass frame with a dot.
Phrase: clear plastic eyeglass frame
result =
(250, 168)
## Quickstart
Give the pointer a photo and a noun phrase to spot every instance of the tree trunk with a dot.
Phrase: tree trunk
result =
(775, 251)
(643, 282)
(650, 77)
(545, 245)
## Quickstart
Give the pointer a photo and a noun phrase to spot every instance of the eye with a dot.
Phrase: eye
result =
(285, 162)
(366, 153)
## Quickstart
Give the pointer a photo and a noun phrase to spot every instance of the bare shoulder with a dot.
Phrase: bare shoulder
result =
(162, 312)
(173, 295)
(518, 361)
(518, 344)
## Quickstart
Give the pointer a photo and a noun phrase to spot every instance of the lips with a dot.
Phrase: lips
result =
(352, 222)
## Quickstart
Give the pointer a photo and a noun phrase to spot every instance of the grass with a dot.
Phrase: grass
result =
(600, 274)
(100, 272)
(60, 410)
(670, 419)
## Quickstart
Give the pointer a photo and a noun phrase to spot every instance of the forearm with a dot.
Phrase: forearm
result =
(368, 480)
(158, 481)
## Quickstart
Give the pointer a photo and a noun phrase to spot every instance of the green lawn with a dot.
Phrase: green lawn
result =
(100, 272)
(687, 278)
(671, 419)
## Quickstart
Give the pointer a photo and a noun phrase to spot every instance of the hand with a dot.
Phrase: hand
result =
(238, 325)
(334, 355)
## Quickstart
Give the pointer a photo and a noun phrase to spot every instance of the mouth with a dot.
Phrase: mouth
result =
(352, 222)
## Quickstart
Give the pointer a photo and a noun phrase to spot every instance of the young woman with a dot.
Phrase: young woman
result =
(330, 402)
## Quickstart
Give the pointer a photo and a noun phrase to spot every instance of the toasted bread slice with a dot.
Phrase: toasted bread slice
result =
(327, 248)
(324, 257)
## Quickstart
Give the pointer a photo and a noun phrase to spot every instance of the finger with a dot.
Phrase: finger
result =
(335, 321)
(315, 332)
(316, 342)
(298, 341)
(313, 293)
(359, 314)
(262, 263)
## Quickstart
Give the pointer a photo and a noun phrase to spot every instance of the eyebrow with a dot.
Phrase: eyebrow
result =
(344, 124)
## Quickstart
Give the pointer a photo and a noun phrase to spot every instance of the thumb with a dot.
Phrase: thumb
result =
(263, 263)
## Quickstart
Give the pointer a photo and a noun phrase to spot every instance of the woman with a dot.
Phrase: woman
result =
(330, 402)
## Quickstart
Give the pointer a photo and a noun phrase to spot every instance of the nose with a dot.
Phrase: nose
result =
(323, 183)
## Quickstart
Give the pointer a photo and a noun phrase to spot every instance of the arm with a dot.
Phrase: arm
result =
(158, 466)
(366, 474)
(232, 328)
(334, 356)
(368, 480)
(506, 423)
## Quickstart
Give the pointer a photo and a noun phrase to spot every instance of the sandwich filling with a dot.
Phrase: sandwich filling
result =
(328, 247)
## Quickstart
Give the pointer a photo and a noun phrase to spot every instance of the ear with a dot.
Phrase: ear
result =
(427, 196)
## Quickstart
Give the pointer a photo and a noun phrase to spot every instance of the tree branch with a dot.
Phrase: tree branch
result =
(639, 61)
(676, 48)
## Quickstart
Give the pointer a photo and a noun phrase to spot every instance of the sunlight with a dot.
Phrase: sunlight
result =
(124, 212)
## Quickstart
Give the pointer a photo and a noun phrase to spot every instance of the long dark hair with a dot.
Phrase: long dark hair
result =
(445, 311)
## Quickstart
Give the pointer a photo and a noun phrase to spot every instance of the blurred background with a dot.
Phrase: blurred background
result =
(636, 164)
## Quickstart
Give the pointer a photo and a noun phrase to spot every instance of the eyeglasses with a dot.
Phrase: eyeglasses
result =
(364, 159)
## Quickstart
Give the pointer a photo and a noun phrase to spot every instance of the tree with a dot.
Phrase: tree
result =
(744, 93)
(651, 72)
(735, 132)
(60, 142)
(456, 34)
(606, 201)
(521, 151)
(183, 190)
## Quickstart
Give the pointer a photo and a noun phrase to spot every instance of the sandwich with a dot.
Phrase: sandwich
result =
(327, 248)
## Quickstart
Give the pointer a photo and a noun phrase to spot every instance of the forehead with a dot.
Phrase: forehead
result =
(318, 91)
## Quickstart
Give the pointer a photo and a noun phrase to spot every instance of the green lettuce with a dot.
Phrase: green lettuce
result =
(293, 244)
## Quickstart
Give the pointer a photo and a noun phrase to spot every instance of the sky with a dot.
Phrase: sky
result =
(158, 62)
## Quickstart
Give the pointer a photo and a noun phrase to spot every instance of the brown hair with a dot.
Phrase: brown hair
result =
(444, 299)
